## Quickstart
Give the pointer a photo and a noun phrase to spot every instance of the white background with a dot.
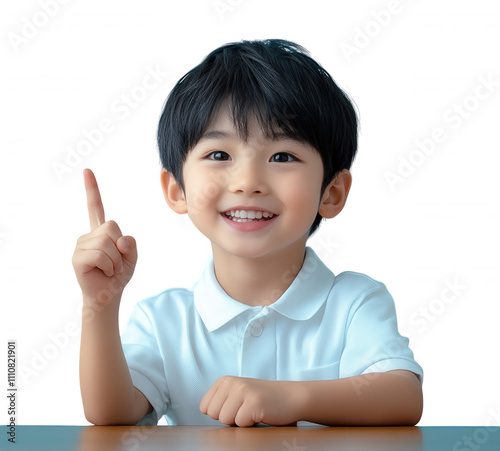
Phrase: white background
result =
(407, 76)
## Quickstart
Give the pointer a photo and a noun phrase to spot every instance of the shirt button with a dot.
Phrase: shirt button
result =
(256, 330)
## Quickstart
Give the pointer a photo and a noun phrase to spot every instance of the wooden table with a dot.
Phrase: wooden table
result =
(214, 438)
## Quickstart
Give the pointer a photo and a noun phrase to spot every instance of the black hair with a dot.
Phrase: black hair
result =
(277, 82)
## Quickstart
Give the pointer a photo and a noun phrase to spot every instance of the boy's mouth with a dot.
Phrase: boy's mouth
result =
(248, 215)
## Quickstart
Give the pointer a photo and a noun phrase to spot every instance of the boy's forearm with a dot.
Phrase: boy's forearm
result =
(379, 399)
(107, 390)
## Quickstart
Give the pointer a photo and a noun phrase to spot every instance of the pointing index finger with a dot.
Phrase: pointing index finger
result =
(94, 202)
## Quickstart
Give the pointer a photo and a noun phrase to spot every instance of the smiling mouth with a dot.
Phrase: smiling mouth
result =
(248, 216)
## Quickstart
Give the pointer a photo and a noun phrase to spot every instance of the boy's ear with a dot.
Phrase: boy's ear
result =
(335, 195)
(173, 193)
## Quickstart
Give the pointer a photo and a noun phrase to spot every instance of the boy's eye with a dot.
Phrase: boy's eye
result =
(283, 157)
(219, 156)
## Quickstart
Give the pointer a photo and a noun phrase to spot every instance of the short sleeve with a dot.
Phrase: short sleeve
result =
(373, 343)
(145, 362)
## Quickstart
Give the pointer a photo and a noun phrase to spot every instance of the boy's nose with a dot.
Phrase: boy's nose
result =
(247, 177)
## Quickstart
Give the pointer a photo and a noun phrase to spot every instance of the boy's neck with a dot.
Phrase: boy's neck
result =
(258, 281)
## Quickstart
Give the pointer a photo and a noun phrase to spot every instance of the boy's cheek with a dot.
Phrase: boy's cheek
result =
(201, 198)
(303, 200)
(202, 192)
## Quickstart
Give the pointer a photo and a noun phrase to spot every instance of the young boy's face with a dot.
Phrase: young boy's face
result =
(223, 174)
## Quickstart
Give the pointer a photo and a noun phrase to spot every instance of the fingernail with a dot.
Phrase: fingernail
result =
(120, 269)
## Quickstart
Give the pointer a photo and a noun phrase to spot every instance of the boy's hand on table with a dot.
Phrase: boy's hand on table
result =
(245, 401)
(104, 260)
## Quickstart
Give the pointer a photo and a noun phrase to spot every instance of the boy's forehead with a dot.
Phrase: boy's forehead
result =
(222, 127)
(222, 121)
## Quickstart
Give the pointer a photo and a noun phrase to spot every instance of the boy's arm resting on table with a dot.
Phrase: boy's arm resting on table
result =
(108, 394)
(393, 398)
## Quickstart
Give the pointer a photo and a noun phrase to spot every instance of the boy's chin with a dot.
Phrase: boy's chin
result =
(243, 249)
(253, 250)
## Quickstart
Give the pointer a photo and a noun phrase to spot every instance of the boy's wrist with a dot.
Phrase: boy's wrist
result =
(92, 309)
(298, 396)
(301, 399)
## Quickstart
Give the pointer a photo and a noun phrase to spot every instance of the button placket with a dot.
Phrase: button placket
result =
(258, 352)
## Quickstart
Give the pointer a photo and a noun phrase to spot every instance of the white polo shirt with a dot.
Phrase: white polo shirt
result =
(178, 343)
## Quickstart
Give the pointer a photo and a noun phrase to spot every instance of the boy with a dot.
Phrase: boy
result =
(256, 144)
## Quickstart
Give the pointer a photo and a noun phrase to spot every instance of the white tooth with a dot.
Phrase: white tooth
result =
(258, 214)
(232, 212)
(265, 214)
(251, 215)
(270, 215)
(243, 214)
(237, 214)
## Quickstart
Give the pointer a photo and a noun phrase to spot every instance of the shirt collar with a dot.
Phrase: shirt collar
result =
(300, 301)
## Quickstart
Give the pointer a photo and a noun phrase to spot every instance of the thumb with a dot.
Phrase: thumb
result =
(128, 248)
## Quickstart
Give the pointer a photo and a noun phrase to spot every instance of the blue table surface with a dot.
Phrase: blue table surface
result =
(96, 438)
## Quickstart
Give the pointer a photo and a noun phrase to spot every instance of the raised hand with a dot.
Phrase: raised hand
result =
(104, 260)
